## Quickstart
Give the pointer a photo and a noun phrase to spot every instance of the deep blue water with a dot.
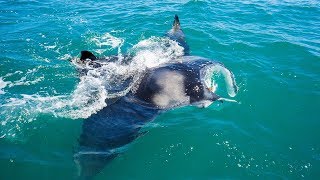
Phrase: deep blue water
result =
(272, 48)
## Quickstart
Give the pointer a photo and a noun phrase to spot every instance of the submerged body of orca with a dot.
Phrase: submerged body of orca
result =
(172, 85)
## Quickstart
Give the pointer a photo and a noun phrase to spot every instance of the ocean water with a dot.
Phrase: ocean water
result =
(272, 48)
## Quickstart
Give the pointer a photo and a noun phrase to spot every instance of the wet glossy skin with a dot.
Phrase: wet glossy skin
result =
(105, 133)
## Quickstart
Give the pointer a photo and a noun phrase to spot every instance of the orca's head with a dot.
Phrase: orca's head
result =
(203, 78)
(175, 85)
(187, 83)
(198, 91)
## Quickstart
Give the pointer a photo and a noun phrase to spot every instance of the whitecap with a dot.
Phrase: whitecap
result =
(3, 84)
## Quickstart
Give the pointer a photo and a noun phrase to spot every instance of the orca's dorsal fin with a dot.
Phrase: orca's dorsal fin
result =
(176, 23)
(87, 55)
(176, 34)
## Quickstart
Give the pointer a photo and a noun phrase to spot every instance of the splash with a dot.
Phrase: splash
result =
(98, 86)
(215, 74)
(155, 51)
(108, 42)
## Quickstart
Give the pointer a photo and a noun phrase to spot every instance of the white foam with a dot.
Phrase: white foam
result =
(108, 41)
(65, 57)
(155, 51)
(11, 74)
(3, 84)
(25, 80)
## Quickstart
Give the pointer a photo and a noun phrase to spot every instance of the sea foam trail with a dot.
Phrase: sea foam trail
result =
(98, 85)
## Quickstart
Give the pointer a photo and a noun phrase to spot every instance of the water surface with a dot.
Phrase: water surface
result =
(272, 47)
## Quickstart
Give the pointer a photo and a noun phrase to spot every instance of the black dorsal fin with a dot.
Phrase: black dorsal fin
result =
(87, 55)
(176, 34)
(176, 23)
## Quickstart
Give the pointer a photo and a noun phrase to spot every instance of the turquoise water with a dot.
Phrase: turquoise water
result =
(272, 48)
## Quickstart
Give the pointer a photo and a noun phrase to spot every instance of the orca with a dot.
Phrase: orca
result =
(107, 133)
